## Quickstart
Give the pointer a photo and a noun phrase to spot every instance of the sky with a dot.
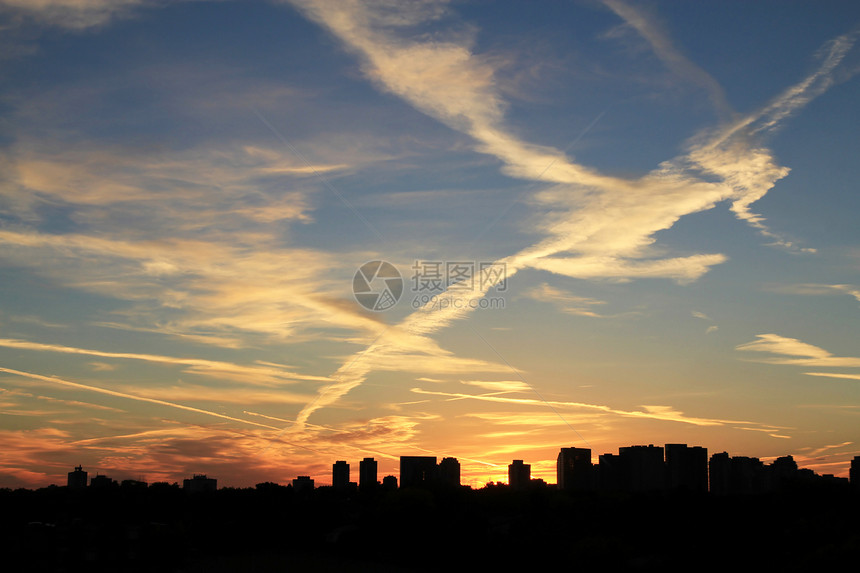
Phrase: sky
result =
(249, 239)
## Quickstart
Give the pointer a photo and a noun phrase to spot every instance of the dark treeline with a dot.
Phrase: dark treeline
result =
(274, 528)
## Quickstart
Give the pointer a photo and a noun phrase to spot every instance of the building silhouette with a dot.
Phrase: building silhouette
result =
(719, 473)
(613, 473)
(199, 483)
(102, 482)
(448, 472)
(635, 469)
(340, 475)
(303, 484)
(367, 479)
(519, 475)
(742, 475)
(77, 479)
(783, 472)
(687, 468)
(748, 476)
(133, 484)
(574, 469)
(418, 470)
(645, 468)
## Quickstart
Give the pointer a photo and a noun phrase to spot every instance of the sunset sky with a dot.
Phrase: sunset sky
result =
(187, 190)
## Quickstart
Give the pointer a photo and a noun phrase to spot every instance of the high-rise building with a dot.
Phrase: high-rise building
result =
(573, 468)
(748, 475)
(77, 479)
(367, 474)
(613, 473)
(783, 472)
(133, 484)
(687, 467)
(102, 482)
(340, 475)
(303, 484)
(519, 475)
(448, 472)
(417, 470)
(389, 483)
(720, 473)
(645, 468)
(199, 483)
(739, 475)
(854, 472)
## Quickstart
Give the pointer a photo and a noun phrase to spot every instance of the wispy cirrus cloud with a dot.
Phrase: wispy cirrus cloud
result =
(77, 385)
(817, 289)
(565, 301)
(791, 351)
(503, 386)
(74, 14)
(703, 316)
(731, 152)
(219, 270)
(598, 226)
(222, 186)
(637, 17)
(653, 412)
(202, 288)
(533, 418)
(250, 374)
(834, 375)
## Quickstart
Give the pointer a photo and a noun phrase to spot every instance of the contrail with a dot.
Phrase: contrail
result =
(606, 222)
(202, 365)
(60, 381)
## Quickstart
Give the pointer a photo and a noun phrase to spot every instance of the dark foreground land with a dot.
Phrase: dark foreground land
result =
(271, 528)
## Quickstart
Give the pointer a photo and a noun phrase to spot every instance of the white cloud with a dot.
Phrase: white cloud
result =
(226, 286)
(834, 375)
(648, 27)
(87, 387)
(75, 14)
(499, 385)
(161, 189)
(792, 351)
(652, 412)
(818, 289)
(250, 374)
(565, 301)
(598, 226)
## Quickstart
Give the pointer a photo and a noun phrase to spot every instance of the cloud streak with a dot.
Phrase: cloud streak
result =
(607, 222)
(604, 224)
(566, 302)
(74, 14)
(660, 42)
(818, 289)
(89, 388)
(266, 375)
(653, 412)
(791, 351)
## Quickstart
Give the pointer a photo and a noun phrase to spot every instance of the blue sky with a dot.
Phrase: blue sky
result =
(188, 189)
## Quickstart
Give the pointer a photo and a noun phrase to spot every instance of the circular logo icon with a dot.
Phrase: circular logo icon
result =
(377, 285)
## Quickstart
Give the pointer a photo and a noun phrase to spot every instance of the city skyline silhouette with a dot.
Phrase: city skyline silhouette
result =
(246, 242)
(635, 468)
(627, 513)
